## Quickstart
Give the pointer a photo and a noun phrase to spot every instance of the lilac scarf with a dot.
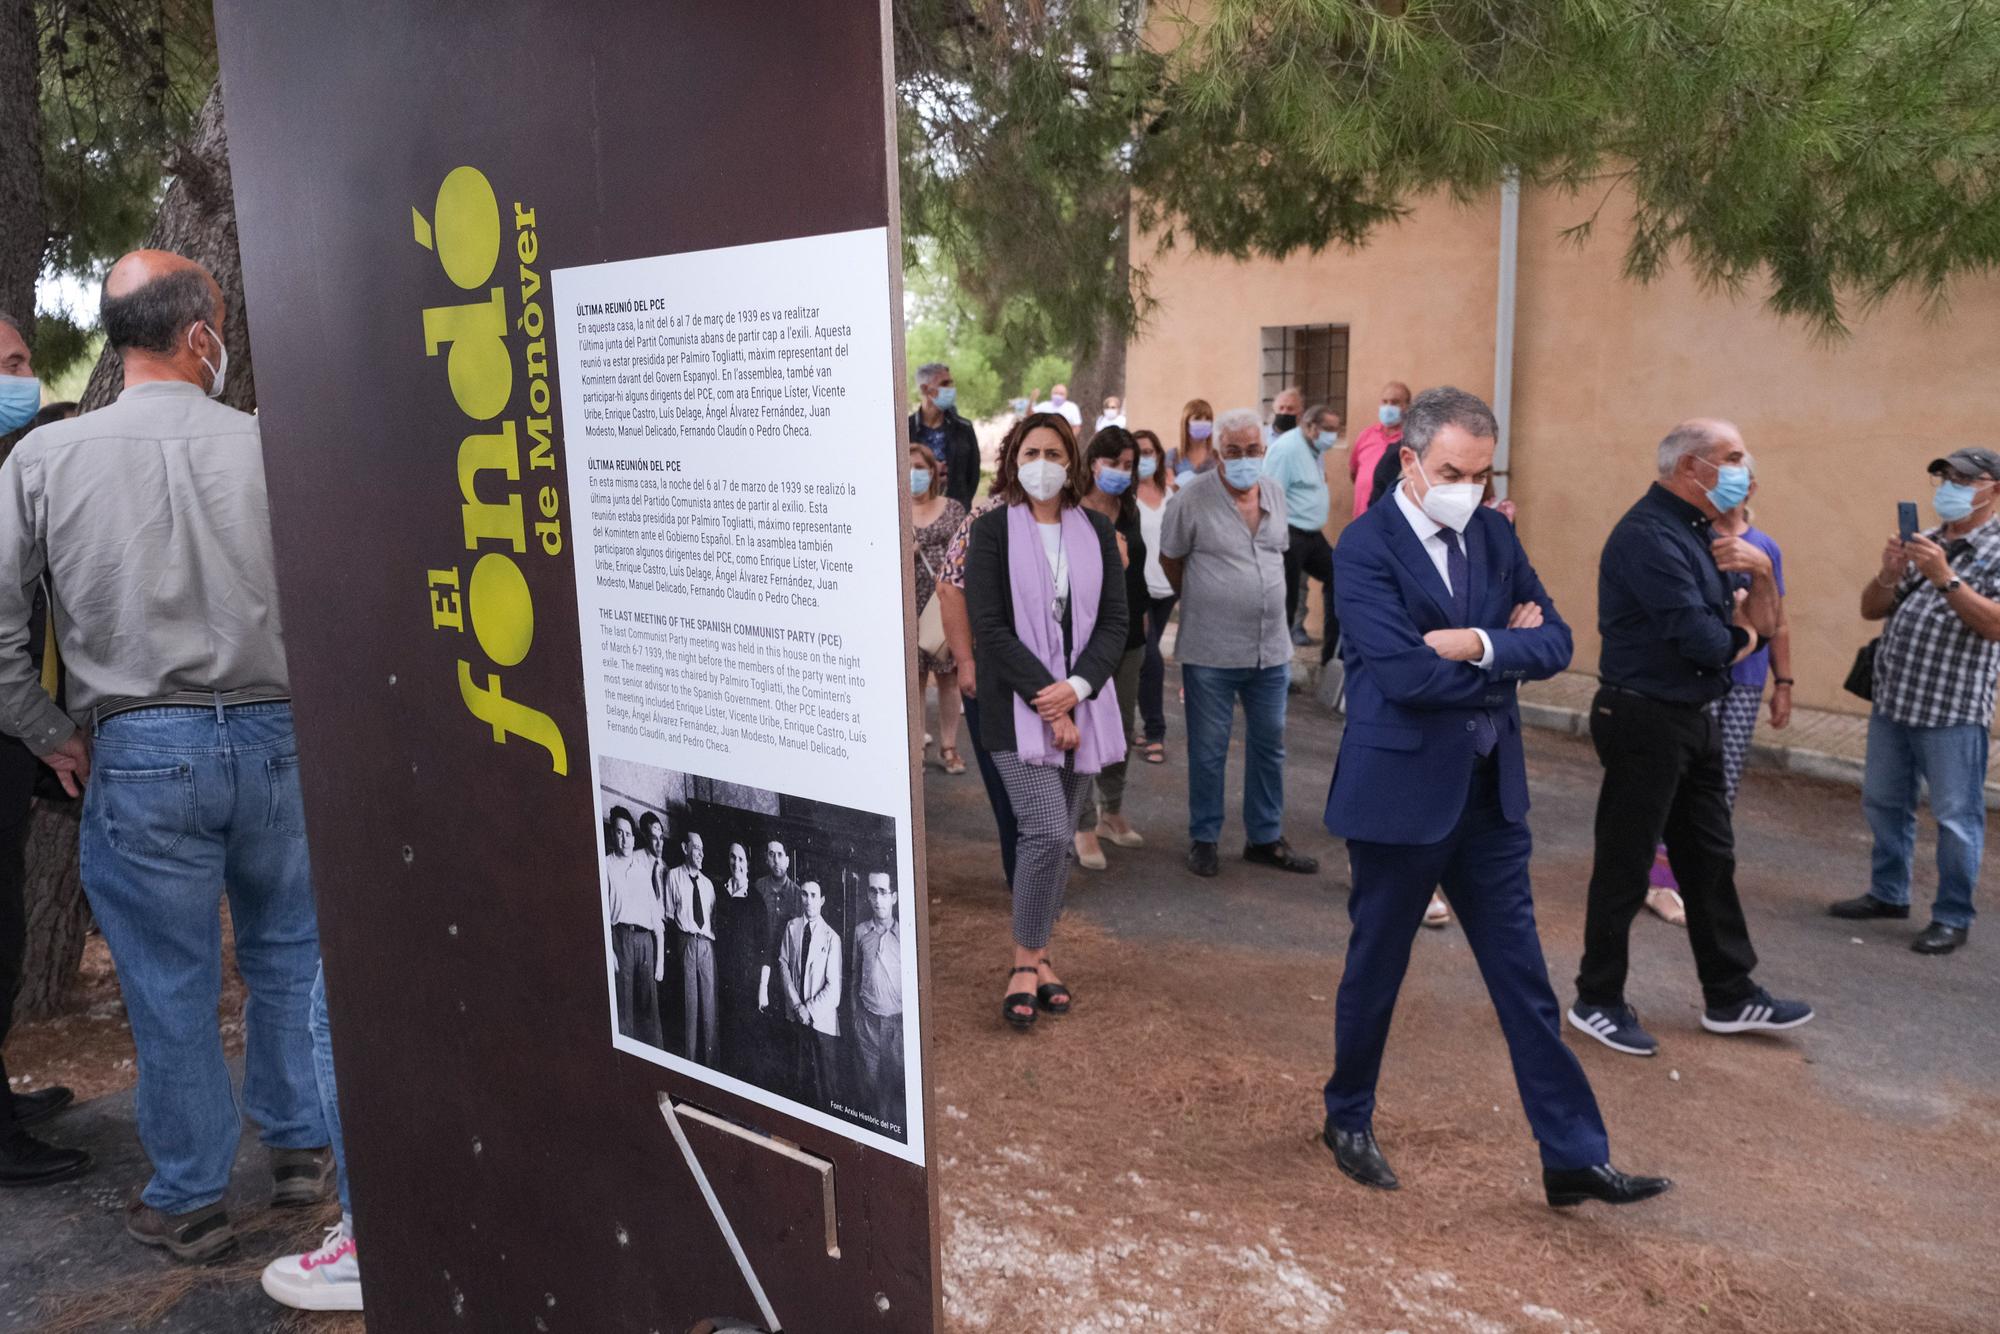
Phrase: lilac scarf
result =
(1033, 587)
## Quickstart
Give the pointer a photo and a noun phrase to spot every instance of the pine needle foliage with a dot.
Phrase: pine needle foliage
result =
(1824, 154)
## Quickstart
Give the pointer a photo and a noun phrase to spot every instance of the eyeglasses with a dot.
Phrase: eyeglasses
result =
(1954, 476)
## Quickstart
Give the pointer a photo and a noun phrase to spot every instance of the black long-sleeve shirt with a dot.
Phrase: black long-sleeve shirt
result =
(1004, 664)
(1665, 612)
(961, 457)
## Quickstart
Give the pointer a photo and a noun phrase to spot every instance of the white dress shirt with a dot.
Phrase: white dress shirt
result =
(1052, 547)
(1427, 530)
(683, 887)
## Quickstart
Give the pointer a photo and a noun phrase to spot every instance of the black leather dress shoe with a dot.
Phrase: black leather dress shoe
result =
(1202, 861)
(1360, 1157)
(1280, 855)
(1867, 906)
(1603, 1182)
(26, 1161)
(1937, 938)
(31, 1109)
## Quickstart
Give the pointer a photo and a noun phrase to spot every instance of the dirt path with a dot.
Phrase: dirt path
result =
(1148, 1163)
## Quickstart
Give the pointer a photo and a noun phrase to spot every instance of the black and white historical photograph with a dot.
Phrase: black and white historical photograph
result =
(760, 936)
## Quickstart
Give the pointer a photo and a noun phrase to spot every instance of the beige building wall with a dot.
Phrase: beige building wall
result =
(1603, 367)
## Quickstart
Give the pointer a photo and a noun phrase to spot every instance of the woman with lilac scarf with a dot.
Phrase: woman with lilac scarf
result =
(1045, 592)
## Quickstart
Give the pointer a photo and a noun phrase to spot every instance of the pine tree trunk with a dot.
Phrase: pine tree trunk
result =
(197, 219)
(24, 229)
(57, 915)
(1097, 366)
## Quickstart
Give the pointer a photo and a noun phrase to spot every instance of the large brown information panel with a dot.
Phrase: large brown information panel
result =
(577, 361)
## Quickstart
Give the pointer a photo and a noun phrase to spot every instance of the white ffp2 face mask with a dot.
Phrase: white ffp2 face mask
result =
(1453, 503)
(1043, 479)
(220, 369)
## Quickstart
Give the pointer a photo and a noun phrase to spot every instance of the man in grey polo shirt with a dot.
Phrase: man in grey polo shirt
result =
(150, 520)
(1222, 545)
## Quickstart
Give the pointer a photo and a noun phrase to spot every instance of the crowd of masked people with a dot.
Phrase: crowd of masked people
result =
(1049, 596)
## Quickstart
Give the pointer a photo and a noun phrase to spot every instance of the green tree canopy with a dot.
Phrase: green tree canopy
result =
(1828, 154)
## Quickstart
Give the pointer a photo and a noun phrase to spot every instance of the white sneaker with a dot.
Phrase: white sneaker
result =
(1438, 914)
(328, 1279)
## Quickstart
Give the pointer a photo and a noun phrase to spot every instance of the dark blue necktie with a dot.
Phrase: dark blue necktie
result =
(1460, 575)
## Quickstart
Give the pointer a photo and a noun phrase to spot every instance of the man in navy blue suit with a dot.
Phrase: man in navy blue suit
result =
(1441, 615)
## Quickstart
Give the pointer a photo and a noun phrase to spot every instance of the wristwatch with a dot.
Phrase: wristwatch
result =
(1953, 585)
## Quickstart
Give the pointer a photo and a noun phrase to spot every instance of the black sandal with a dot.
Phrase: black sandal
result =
(1018, 1007)
(1046, 994)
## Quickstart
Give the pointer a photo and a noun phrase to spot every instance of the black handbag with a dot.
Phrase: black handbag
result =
(1861, 676)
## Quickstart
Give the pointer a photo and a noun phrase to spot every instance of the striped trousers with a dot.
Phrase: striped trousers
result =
(1045, 801)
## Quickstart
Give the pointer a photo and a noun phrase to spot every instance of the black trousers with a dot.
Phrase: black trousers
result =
(18, 768)
(1153, 670)
(1663, 776)
(996, 791)
(1308, 553)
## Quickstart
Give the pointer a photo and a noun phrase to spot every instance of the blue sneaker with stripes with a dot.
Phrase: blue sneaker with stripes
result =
(1616, 1026)
(1757, 1012)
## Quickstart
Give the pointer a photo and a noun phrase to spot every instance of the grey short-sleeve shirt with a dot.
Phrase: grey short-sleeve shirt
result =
(1232, 585)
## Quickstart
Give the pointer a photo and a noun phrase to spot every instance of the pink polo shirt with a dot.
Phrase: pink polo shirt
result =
(1361, 460)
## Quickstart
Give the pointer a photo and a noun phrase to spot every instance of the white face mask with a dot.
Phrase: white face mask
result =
(220, 370)
(1452, 504)
(1043, 478)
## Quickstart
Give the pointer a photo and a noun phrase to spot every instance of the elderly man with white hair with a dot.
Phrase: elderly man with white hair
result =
(1222, 546)
(1677, 605)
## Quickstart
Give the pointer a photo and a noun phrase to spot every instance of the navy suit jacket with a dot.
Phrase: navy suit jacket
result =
(1406, 757)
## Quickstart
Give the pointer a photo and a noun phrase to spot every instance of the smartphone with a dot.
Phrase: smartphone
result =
(1906, 519)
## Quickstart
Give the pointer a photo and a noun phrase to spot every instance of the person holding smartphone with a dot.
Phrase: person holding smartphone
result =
(1938, 594)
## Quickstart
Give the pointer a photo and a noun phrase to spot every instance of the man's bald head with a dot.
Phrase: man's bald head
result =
(163, 314)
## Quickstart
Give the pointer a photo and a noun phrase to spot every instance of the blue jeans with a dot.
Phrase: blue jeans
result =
(329, 1097)
(1952, 760)
(1212, 693)
(185, 803)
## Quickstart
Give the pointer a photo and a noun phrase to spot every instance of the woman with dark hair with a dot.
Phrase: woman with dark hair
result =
(1112, 462)
(1044, 590)
(934, 517)
(1196, 453)
(1152, 490)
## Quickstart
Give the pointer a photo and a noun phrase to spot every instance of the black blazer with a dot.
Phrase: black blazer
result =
(1005, 666)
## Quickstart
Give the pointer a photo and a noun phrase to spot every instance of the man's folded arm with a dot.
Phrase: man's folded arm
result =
(1374, 619)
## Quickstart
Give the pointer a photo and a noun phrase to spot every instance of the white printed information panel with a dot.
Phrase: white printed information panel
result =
(739, 573)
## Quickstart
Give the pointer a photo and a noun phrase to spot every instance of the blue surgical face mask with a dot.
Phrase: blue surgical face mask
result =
(20, 400)
(1954, 501)
(1242, 474)
(1148, 465)
(1732, 485)
(1389, 414)
(1113, 481)
(947, 398)
(920, 481)
(1200, 430)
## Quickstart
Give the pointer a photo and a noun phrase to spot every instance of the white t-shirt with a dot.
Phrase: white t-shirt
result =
(1150, 521)
(1069, 411)
(1052, 547)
